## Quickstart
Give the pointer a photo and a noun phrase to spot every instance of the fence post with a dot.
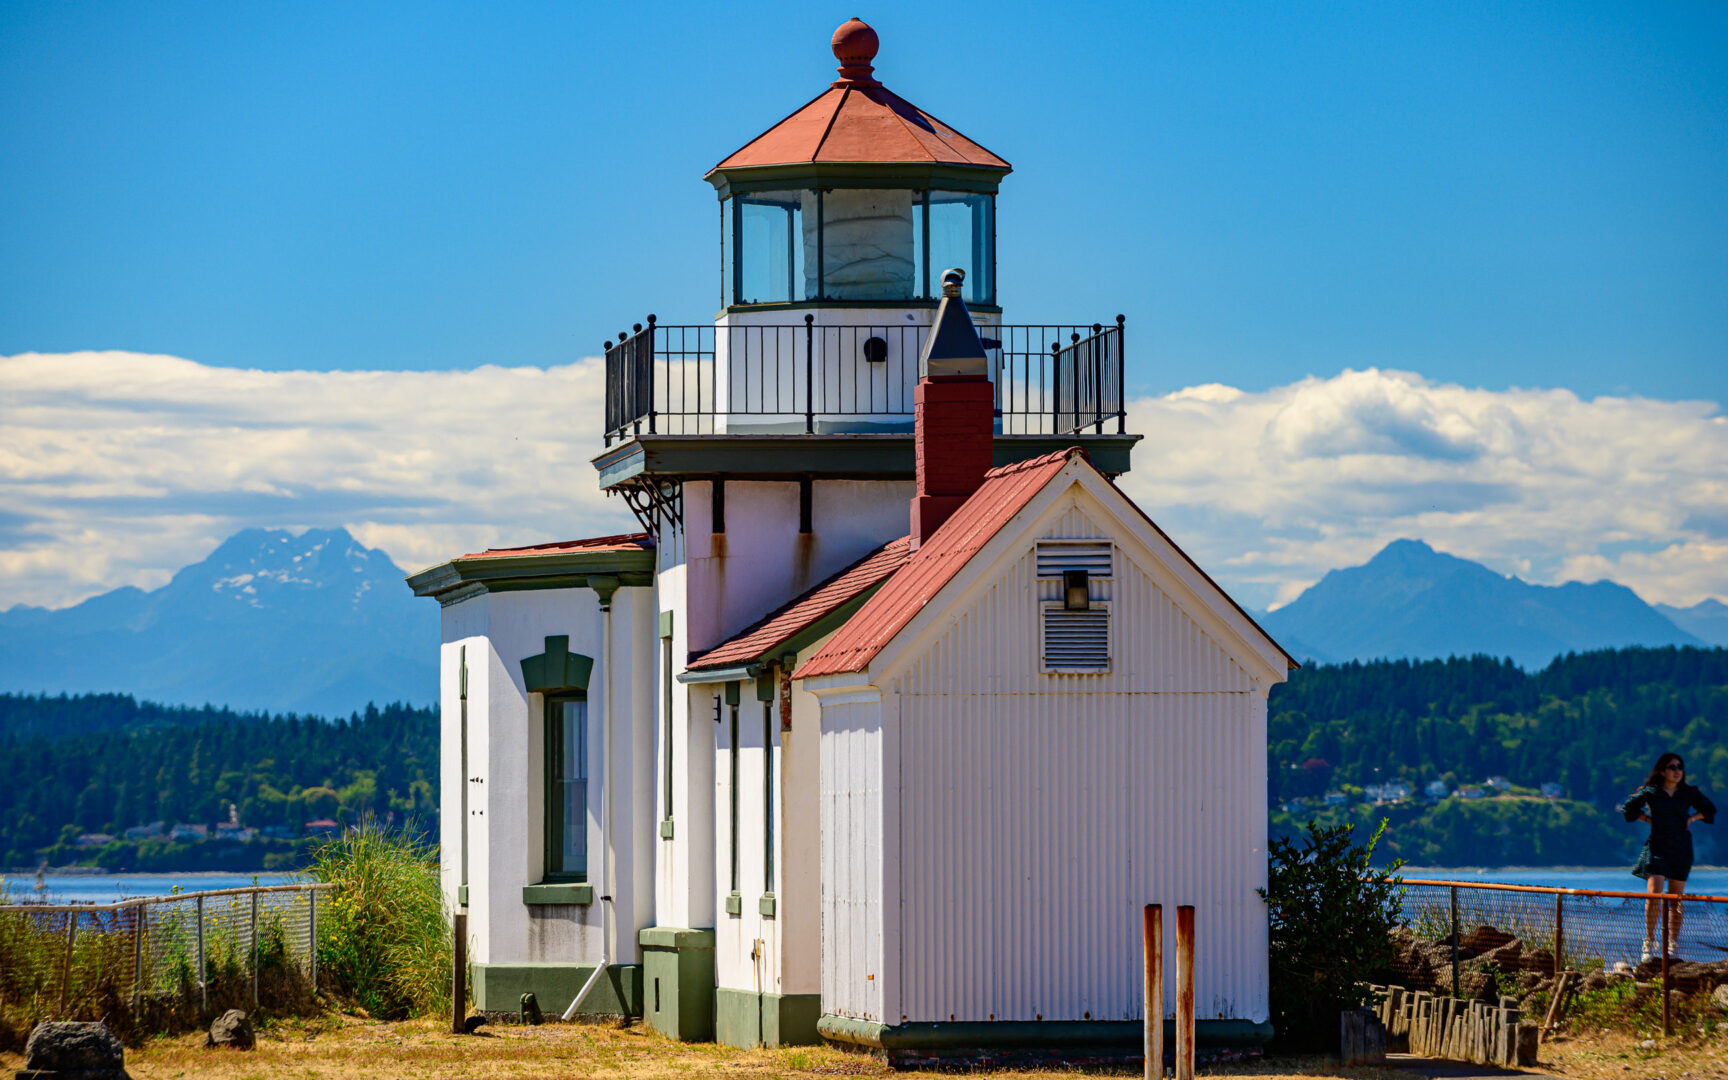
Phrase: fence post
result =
(459, 973)
(1454, 890)
(809, 374)
(1152, 1040)
(66, 981)
(254, 948)
(1559, 933)
(203, 990)
(138, 957)
(312, 935)
(1185, 992)
(1667, 1021)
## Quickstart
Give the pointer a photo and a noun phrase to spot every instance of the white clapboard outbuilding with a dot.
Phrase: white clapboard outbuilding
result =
(898, 710)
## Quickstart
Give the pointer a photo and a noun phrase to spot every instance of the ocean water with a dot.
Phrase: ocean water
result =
(108, 888)
(1705, 880)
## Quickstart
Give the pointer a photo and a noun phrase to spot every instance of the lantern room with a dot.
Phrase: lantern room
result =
(859, 198)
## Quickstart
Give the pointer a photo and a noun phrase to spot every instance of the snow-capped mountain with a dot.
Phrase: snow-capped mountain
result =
(315, 623)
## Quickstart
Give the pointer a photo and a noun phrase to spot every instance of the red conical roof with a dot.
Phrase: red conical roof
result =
(857, 120)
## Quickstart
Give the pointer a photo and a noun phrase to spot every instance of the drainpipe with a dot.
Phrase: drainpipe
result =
(605, 587)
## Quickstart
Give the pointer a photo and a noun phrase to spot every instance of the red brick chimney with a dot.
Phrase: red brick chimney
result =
(955, 414)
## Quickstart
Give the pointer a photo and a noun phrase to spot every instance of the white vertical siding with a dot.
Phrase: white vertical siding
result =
(1038, 813)
(852, 851)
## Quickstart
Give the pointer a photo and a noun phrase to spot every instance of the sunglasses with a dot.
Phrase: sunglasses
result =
(1674, 766)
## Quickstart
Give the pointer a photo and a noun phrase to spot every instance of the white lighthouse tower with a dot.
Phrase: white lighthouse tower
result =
(668, 767)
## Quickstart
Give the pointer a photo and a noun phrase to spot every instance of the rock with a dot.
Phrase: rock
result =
(1647, 1044)
(1719, 997)
(232, 1030)
(1507, 956)
(1483, 939)
(1477, 986)
(73, 1050)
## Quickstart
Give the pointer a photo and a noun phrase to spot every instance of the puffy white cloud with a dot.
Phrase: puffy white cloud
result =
(1270, 490)
(118, 468)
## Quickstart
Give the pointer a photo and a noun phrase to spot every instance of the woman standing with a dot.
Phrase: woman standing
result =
(1670, 805)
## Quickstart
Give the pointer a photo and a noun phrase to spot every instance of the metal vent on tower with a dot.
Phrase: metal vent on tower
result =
(1092, 556)
(1075, 641)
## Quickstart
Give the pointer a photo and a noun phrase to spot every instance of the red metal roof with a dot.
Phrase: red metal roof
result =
(1004, 493)
(622, 542)
(858, 120)
(785, 622)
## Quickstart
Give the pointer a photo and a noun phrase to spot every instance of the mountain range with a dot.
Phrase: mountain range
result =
(311, 623)
(1411, 601)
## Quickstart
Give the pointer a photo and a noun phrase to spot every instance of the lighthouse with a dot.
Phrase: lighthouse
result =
(854, 738)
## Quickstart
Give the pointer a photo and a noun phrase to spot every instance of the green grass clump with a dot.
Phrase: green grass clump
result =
(384, 937)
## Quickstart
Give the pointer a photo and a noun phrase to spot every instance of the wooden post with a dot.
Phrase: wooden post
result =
(458, 972)
(254, 949)
(1559, 934)
(1185, 992)
(138, 957)
(1454, 892)
(1554, 1005)
(66, 980)
(1152, 1038)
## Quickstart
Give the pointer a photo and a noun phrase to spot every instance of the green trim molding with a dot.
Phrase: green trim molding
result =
(678, 982)
(499, 988)
(745, 1018)
(461, 896)
(841, 456)
(766, 905)
(940, 176)
(558, 892)
(460, 579)
(734, 904)
(557, 668)
(666, 829)
(665, 624)
(964, 1035)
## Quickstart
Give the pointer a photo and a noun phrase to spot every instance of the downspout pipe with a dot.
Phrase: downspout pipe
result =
(605, 586)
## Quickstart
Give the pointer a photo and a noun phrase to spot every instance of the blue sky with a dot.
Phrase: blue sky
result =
(1498, 195)
(1454, 272)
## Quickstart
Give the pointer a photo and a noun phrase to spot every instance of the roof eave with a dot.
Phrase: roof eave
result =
(460, 578)
(943, 175)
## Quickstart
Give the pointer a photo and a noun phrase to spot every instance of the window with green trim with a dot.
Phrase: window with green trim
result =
(566, 787)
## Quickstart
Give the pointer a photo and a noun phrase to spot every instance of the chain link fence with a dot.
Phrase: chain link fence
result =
(1483, 941)
(160, 963)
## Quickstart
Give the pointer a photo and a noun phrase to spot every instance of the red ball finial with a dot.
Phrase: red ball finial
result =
(855, 45)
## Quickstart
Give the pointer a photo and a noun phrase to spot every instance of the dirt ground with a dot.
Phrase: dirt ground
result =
(346, 1048)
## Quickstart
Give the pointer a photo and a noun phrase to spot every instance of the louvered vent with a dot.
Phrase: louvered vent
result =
(1076, 640)
(1092, 556)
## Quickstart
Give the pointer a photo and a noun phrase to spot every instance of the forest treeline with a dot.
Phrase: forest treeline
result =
(102, 763)
(1593, 723)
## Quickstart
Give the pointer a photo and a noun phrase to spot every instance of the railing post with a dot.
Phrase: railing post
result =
(138, 958)
(312, 935)
(1096, 348)
(1559, 934)
(1667, 1021)
(203, 989)
(1185, 992)
(1056, 385)
(1454, 891)
(66, 981)
(254, 948)
(648, 366)
(1152, 1038)
(809, 374)
(1121, 375)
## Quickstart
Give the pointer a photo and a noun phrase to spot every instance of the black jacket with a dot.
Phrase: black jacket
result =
(1668, 813)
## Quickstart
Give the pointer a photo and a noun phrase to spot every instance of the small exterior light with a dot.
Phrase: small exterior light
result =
(1076, 594)
(875, 350)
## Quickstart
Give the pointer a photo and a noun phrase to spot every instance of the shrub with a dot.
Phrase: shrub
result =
(1331, 914)
(383, 940)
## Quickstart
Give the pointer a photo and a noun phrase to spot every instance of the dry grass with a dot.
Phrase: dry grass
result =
(344, 1048)
(1618, 1053)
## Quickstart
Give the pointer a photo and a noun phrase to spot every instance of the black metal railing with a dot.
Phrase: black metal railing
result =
(805, 378)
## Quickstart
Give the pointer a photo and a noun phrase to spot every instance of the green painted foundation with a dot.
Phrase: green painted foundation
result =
(678, 982)
(964, 1035)
(499, 988)
(747, 1019)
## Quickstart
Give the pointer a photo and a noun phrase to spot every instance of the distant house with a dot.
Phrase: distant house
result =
(189, 833)
(1436, 789)
(1469, 792)
(233, 832)
(1394, 791)
(1336, 798)
(154, 830)
(278, 832)
(94, 839)
(322, 827)
(1553, 789)
(1498, 784)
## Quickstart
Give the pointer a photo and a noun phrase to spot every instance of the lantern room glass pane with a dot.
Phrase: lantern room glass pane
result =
(867, 244)
(767, 249)
(567, 788)
(963, 234)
